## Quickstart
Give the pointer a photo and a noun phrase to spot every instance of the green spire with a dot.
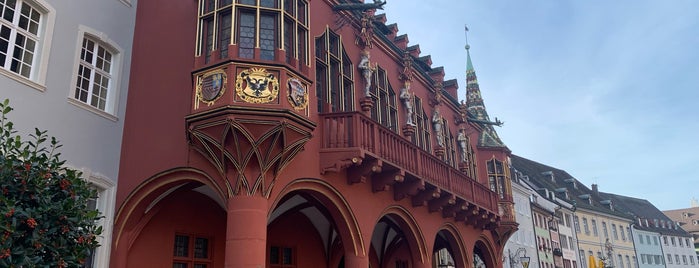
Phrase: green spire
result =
(469, 65)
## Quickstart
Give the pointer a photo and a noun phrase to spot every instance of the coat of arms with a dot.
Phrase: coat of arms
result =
(211, 86)
(256, 85)
(298, 95)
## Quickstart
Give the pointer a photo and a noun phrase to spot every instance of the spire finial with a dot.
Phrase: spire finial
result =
(466, 35)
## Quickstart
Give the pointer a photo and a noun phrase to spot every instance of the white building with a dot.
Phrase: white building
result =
(522, 242)
(64, 65)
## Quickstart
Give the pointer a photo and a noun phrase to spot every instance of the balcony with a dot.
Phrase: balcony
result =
(370, 151)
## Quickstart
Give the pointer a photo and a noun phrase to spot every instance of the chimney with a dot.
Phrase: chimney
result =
(595, 190)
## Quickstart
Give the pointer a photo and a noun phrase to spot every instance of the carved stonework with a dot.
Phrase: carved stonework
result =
(298, 94)
(248, 146)
(409, 130)
(366, 103)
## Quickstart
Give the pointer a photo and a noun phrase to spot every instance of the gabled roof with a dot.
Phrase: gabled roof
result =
(685, 217)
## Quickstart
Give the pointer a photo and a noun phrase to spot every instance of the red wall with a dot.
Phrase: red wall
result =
(188, 212)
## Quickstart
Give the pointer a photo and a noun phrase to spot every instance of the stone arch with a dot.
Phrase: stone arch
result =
(413, 233)
(452, 237)
(134, 212)
(488, 253)
(335, 204)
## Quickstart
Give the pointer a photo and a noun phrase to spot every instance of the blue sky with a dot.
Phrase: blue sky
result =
(606, 90)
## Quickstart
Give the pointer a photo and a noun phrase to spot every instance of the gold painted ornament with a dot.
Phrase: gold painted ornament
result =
(210, 87)
(256, 85)
(298, 94)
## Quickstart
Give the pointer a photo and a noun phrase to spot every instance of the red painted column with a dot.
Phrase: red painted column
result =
(354, 261)
(246, 232)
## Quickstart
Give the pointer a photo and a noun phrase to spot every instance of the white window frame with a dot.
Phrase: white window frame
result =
(37, 76)
(105, 205)
(112, 100)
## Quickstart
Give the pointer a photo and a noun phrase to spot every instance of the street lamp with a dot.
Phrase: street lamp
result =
(524, 260)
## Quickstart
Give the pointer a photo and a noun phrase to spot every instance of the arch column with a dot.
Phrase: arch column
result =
(246, 232)
(354, 261)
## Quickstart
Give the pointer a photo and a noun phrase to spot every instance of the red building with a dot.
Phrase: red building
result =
(293, 133)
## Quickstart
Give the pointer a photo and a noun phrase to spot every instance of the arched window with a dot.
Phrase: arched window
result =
(384, 110)
(258, 24)
(496, 177)
(334, 82)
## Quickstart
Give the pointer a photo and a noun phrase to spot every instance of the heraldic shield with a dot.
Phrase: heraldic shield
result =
(256, 85)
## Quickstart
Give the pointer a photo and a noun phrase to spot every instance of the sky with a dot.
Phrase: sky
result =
(606, 90)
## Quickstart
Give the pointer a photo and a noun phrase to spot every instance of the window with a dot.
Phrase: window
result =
(665, 240)
(672, 240)
(623, 235)
(604, 229)
(691, 259)
(684, 259)
(583, 259)
(635, 262)
(564, 241)
(628, 261)
(259, 25)
(594, 228)
(334, 82)
(669, 258)
(282, 257)
(677, 259)
(384, 110)
(566, 219)
(496, 177)
(25, 37)
(191, 251)
(679, 240)
(655, 240)
(621, 261)
(95, 75)
(576, 223)
(657, 259)
(104, 203)
(587, 229)
(686, 240)
(640, 238)
(614, 233)
(422, 124)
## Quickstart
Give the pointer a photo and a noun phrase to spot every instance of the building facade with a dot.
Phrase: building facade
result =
(523, 243)
(601, 232)
(688, 220)
(270, 133)
(66, 70)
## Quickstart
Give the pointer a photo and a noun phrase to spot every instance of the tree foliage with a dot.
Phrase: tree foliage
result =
(44, 216)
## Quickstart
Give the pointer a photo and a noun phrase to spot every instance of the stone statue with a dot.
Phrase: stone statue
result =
(463, 144)
(438, 125)
(406, 97)
(365, 66)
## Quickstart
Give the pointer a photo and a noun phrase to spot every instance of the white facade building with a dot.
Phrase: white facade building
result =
(522, 242)
(64, 66)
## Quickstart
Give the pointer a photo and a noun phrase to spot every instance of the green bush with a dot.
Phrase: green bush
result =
(44, 216)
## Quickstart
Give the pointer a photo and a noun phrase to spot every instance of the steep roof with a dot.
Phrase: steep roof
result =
(686, 218)
(644, 210)
(476, 107)
(562, 185)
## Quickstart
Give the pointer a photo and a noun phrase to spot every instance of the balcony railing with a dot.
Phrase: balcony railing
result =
(355, 130)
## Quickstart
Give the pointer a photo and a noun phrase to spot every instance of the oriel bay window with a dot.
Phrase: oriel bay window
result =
(334, 83)
(254, 24)
(496, 177)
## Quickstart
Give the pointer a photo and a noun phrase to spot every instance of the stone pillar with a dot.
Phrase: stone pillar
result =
(246, 232)
(354, 261)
